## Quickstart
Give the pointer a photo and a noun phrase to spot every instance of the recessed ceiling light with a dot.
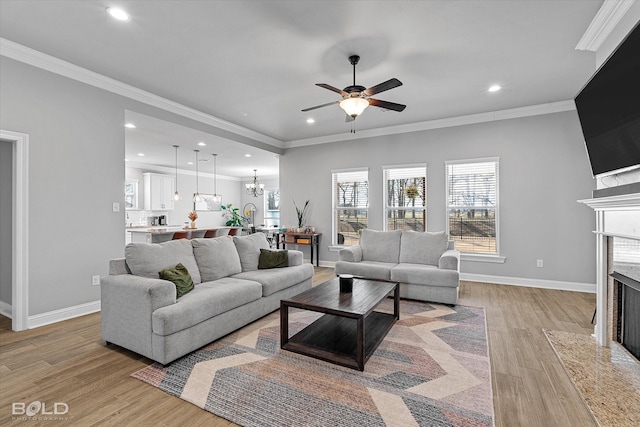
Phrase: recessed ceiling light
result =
(117, 13)
(494, 88)
(189, 163)
(310, 121)
(247, 155)
(201, 144)
(141, 154)
(130, 125)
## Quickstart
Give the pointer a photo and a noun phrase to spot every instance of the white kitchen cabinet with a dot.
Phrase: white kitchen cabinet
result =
(158, 192)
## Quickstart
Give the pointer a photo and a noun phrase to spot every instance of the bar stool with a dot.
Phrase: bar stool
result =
(234, 231)
(212, 232)
(197, 234)
(181, 235)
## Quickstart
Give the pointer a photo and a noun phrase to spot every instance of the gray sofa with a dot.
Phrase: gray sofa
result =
(140, 312)
(426, 264)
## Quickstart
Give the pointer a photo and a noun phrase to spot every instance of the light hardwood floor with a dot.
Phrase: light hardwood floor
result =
(68, 362)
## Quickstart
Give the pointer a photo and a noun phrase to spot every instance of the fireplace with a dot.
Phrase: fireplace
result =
(618, 253)
(628, 313)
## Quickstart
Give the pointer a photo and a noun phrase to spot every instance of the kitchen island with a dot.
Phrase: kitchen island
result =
(163, 234)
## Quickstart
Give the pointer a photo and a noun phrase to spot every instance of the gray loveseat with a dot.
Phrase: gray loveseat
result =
(426, 264)
(140, 312)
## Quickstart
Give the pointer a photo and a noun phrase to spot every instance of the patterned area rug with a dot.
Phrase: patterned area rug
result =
(432, 369)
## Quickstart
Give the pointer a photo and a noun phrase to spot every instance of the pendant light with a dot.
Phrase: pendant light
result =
(217, 198)
(255, 189)
(176, 195)
(197, 197)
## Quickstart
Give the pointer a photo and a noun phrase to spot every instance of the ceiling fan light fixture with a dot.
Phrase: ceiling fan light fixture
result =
(354, 106)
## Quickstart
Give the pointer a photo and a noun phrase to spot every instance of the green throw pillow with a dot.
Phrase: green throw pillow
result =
(273, 259)
(180, 277)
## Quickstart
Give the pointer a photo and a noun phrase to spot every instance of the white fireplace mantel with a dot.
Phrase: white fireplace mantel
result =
(616, 216)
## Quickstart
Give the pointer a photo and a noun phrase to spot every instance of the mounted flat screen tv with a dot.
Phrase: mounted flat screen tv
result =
(609, 110)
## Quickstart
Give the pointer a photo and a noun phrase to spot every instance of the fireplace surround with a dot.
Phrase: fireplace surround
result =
(617, 219)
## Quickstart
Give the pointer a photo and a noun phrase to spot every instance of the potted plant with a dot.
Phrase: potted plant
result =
(234, 219)
(300, 213)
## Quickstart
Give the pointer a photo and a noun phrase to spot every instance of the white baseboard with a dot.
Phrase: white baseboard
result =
(532, 283)
(6, 310)
(67, 313)
(515, 281)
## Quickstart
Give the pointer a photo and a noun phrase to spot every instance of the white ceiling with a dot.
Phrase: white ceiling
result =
(255, 63)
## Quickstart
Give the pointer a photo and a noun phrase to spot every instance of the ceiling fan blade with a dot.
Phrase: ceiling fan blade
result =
(389, 84)
(331, 88)
(387, 105)
(320, 106)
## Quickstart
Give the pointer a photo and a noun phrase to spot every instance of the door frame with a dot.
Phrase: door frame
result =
(20, 229)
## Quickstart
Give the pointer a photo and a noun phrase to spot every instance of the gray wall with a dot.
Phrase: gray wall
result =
(543, 171)
(6, 185)
(76, 172)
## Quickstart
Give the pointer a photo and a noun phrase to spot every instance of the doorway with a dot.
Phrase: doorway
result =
(19, 214)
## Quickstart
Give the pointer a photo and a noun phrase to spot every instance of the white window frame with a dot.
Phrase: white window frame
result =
(474, 256)
(386, 208)
(334, 198)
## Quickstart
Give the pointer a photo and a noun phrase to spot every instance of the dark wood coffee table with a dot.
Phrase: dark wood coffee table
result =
(350, 330)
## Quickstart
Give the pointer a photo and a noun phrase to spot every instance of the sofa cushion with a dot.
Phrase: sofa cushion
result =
(423, 248)
(421, 274)
(248, 248)
(147, 259)
(381, 246)
(277, 279)
(366, 269)
(216, 257)
(180, 277)
(207, 300)
(273, 259)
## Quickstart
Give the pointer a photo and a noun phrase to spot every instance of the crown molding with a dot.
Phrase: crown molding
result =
(512, 113)
(55, 65)
(606, 19)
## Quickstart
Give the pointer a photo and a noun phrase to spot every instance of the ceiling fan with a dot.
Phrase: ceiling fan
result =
(356, 98)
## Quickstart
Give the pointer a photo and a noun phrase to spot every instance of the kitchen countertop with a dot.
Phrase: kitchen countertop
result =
(169, 229)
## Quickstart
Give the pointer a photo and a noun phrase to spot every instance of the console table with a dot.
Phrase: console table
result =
(292, 238)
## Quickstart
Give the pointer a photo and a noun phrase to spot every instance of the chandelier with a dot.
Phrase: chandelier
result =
(255, 189)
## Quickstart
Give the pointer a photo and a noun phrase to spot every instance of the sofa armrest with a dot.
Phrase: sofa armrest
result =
(351, 253)
(450, 260)
(127, 304)
(295, 257)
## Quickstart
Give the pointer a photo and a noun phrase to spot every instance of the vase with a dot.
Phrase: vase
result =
(193, 224)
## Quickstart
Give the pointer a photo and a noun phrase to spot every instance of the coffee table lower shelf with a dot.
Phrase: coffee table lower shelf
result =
(335, 338)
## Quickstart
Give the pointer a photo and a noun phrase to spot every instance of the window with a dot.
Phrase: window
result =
(350, 205)
(472, 205)
(406, 198)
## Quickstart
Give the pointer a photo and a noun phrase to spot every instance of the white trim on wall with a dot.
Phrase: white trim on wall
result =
(514, 281)
(491, 116)
(605, 21)
(66, 313)
(532, 283)
(54, 65)
(20, 224)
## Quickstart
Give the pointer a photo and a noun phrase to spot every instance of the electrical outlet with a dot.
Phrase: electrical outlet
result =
(539, 263)
(95, 280)
(116, 207)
